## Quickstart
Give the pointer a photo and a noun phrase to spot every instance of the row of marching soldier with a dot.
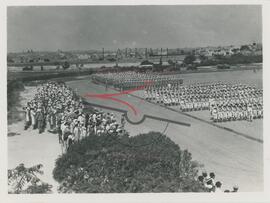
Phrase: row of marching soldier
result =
(225, 101)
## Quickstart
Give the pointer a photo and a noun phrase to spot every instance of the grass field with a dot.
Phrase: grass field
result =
(235, 159)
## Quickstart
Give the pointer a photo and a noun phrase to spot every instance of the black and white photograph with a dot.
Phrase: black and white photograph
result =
(135, 99)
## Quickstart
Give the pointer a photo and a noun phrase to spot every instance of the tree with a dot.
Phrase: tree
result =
(146, 62)
(203, 57)
(66, 65)
(143, 163)
(189, 59)
(245, 47)
(25, 180)
(171, 62)
(192, 67)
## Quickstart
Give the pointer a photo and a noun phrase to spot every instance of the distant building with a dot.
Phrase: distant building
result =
(83, 56)
(197, 61)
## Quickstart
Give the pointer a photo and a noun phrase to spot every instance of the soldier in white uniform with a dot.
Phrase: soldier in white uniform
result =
(250, 113)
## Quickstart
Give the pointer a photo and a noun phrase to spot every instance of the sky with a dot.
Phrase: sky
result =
(49, 28)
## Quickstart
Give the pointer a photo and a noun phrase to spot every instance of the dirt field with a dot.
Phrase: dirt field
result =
(234, 159)
(31, 148)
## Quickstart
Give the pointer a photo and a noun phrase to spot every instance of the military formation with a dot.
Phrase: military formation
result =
(130, 79)
(57, 109)
(225, 101)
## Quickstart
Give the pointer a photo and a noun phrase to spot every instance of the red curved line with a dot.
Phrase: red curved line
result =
(120, 101)
(120, 93)
(110, 96)
(125, 103)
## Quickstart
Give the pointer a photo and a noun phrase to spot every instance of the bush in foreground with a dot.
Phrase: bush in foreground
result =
(144, 163)
(22, 180)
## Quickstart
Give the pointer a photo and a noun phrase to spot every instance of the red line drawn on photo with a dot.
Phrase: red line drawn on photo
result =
(112, 96)
(134, 110)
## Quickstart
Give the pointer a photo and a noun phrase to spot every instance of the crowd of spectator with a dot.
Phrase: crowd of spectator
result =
(208, 181)
(57, 109)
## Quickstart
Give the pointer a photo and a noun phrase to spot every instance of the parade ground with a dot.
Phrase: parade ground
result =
(232, 150)
(234, 157)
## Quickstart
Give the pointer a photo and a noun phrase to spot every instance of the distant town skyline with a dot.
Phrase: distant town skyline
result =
(67, 28)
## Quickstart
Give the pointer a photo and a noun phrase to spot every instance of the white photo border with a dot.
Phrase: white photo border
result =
(141, 197)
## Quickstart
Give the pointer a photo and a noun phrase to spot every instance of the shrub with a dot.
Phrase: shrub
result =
(25, 180)
(192, 67)
(223, 66)
(189, 59)
(144, 163)
(234, 59)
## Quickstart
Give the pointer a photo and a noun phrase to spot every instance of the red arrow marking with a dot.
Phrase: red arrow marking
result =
(111, 96)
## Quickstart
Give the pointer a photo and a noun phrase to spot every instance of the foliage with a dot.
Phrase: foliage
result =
(189, 59)
(245, 47)
(25, 180)
(234, 59)
(192, 67)
(143, 163)
(146, 62)
(171, 62)
(38, 189)
(33, 76)
(66, 65)
(223, 66)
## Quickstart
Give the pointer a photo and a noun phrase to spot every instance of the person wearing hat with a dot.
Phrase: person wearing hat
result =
(235, 188)
(76, 132)
(254, 111)
(69, 141)
(209, 185)
(33, 117)
(260, 112)
(220, 114)
(201, 179)
(40, 120)
(27, 116)
(250, 112)
(123, 120)
(218, 187)
(229, 113)
(205, 175)
(212, 177)
(215, 114)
